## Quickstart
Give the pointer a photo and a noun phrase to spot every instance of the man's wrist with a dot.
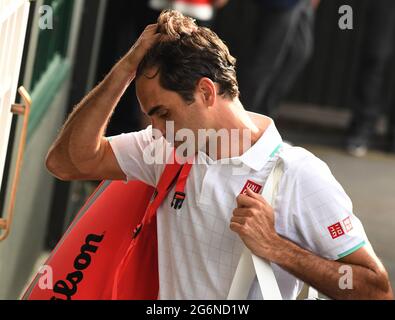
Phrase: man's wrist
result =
(277, 249)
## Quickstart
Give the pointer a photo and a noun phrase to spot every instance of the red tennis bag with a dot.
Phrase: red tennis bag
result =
(110, 250)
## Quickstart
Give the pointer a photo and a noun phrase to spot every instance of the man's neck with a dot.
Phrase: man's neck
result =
(244, 129)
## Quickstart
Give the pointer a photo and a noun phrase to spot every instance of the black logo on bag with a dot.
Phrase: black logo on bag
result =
(81, 262)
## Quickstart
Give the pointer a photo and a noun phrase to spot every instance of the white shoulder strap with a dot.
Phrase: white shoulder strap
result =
(250, 264)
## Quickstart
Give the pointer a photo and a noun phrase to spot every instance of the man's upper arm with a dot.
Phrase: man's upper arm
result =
(364, 257)
(108, 167)
(135, 155)
(323, 212)
(103, 167)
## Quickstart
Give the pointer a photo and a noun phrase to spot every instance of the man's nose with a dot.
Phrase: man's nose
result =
(158, 130)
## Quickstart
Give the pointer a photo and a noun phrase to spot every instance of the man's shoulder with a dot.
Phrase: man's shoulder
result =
(300, 164)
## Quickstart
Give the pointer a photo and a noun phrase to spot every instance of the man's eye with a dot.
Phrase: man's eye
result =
(164, 115)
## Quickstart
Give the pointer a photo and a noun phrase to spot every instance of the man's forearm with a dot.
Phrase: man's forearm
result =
(324, 274)
(80, 147)
(79, 140)
(91, 116)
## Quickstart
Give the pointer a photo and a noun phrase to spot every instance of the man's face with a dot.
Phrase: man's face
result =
(164, 106)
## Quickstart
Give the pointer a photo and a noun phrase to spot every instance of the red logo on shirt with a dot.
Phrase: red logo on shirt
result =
(336, 230)
(347, 224)
(252, 185)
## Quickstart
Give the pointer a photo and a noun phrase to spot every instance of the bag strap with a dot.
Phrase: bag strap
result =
(169, 176)
(312, 293)
(179, 194)
(174, 172)
(250, 264)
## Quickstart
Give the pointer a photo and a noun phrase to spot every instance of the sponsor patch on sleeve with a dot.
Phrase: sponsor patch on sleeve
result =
(340, 228)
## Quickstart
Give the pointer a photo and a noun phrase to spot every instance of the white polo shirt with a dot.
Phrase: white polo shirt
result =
(198, 253)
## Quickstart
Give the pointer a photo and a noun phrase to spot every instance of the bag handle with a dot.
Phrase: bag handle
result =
(250, 264)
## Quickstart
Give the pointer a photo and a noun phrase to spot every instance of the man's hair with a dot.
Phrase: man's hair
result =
(185, 54)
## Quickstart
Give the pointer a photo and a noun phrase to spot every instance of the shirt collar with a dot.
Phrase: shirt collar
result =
(264, 149)
(258, 155)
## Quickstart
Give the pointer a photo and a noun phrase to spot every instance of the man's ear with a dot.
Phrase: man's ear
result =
(207, 91)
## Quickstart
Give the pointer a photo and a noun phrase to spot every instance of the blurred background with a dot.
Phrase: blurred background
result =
(328, 82)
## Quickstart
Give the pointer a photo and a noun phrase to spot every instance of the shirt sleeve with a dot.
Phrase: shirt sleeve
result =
(140, 156)
(323, 212)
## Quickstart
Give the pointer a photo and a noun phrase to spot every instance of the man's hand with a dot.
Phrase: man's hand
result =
(146, 40)
(253, 221)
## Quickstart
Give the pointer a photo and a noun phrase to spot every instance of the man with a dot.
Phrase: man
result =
(185, 76)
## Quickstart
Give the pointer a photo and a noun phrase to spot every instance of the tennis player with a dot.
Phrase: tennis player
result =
(186, 81)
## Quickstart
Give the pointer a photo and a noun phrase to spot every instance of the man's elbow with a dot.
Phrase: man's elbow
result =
(386, 293)
(374, 285)
(389, 295)
(381, 294)
(54, 166)
(383, 287)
